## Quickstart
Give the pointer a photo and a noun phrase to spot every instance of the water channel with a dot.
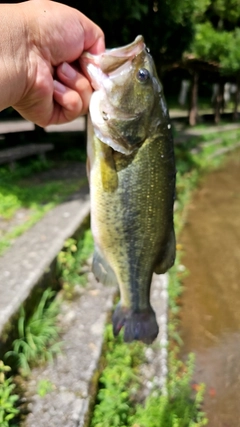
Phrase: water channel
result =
(210, 315)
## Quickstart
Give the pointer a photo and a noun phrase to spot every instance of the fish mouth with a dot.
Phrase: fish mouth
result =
(113, 63)
(106, 71)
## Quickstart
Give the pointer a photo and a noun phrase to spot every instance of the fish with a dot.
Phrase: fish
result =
(131, 171)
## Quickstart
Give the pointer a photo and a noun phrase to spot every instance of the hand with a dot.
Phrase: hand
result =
(49, 87)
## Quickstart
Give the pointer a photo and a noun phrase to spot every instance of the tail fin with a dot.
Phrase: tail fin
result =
(140, 326)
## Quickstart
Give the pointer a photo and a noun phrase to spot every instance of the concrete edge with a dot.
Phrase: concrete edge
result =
(18, 277)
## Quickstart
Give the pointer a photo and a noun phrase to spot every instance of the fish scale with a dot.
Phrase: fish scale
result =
(132, 184)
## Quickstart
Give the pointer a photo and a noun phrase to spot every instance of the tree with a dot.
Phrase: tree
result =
(167, 25)
(217, 40)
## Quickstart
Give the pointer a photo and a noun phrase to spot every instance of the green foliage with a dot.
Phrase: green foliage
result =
(3, 370)
(38, 335)
(211, 44)
(160, 22)
(118, 382)
(219, 46)
(177, 407)
(191, 8)
(209, 149)
(8, 400)
(231, 61)
(71, 260)
(228, 10)
(218, 34)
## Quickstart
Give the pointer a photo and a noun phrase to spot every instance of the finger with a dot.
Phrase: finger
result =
(94, 41)
(76, 81)
(68, 104)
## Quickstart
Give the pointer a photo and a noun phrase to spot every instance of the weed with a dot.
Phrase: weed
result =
(71, 260)
(38, 335)
(175, 410)
(118, 382)
(8, 400)
(13, 196)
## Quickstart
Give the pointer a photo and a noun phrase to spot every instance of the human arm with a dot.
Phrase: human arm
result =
(39, 40)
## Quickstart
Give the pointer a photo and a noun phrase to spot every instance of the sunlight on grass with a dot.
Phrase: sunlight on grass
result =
(18, 190)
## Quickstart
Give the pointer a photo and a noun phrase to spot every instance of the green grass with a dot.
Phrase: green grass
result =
(38, 335)
(18, 190)
(190, 164)
(119, 382)
(37, 343)
(117, 401)
(70, 262)
(177, 407)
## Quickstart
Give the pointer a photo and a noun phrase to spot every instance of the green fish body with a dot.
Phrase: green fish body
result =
(132, 183)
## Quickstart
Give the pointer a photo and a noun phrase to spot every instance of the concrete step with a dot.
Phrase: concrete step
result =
(24, 264)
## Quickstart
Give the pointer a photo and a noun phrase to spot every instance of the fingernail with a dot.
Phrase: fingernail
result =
(68, 71)
(59, 87)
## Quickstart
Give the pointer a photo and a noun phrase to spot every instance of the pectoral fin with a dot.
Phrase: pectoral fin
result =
(108, 169)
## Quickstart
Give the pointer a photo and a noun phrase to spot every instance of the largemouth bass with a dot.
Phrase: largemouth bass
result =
(131, 171)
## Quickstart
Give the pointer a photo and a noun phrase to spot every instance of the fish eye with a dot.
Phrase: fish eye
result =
(143, 75)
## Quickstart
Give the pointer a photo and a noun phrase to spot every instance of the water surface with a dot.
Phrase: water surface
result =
(210, 316)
